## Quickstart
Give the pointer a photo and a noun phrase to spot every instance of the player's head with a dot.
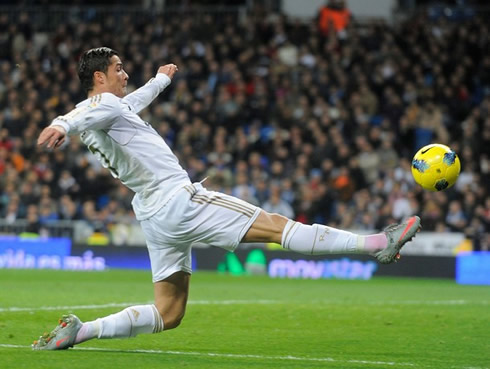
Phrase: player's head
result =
(101, 70)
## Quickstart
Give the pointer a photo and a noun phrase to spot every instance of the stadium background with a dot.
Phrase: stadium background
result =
(318, 123)
(269, 108)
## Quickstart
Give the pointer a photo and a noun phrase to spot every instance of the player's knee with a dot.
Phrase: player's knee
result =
(173, 319)
(172, 315)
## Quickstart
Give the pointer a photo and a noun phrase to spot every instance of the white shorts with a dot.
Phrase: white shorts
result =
(194, 215)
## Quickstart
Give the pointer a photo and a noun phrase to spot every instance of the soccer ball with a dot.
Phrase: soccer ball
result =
(435, 167)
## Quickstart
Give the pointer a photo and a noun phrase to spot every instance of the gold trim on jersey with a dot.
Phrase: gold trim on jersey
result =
(289, 230)
(224, 203)
(95, 100)
(292, 234)
(237, 203)
(191, 189)
(314, 242)
(158, 320)
(130, 322)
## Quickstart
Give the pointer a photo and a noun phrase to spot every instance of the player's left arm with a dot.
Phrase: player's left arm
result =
(143, 96)
(52, 137)
(100, 113)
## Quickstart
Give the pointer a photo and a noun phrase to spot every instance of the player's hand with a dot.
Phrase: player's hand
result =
(168, 69)
(52, 137)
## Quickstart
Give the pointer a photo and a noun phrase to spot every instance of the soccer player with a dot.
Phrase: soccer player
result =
(175, 213)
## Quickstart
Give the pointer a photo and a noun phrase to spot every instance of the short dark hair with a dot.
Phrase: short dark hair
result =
(94, 60)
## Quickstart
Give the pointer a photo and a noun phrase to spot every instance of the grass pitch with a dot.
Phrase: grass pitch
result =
(253, 322)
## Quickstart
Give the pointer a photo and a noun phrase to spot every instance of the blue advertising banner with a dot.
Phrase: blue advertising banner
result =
(473, 268)
(42, 253)
(121, 257)
(58, 253)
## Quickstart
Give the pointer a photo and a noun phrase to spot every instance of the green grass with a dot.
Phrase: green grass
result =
(267, 323)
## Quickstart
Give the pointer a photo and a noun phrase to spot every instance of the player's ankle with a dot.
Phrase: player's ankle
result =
(372, 243)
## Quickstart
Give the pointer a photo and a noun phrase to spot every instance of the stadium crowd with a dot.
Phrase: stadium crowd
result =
(318, 125)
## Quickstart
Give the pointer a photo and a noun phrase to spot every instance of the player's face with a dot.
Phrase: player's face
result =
(117, 78)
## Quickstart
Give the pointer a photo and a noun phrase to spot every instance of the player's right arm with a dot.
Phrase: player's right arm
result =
(143, 96)
(100, 113)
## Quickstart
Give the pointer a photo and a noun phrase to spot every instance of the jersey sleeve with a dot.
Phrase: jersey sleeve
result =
(101, 112)
(143, 96)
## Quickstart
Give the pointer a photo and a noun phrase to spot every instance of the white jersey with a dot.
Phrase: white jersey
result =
(128, 146)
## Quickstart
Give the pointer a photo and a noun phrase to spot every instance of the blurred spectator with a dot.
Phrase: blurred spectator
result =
(12, 211)
(456, 219)
(432, 215)
(333, 16)
(33, 223)
(275, 204)
(369, 160)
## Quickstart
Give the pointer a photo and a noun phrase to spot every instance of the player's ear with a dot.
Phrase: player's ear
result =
(99, 77)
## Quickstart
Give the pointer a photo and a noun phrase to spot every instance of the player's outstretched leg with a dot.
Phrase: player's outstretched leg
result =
(318, 239)
(62, 337)
(397, 235)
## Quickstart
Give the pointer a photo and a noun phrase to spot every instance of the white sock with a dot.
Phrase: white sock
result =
(130, 322)
(318, 239)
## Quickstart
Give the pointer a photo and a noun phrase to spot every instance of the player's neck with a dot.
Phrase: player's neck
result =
(95, 91)
(99, 89)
